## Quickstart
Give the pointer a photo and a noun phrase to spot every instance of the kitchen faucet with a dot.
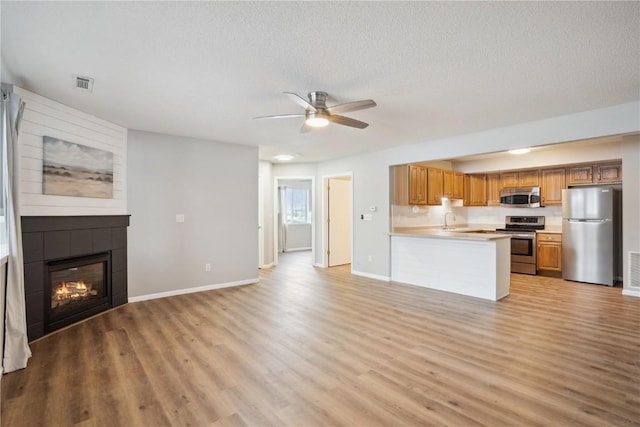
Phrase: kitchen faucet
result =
(445, 219)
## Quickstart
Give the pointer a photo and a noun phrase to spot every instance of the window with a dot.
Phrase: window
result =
(298, 206)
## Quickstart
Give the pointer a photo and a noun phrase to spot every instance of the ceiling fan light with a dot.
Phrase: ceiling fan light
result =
(317, 122)
(316, 119)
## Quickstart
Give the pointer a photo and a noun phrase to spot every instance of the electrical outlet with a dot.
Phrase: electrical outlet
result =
(179, 217)
(207, 267)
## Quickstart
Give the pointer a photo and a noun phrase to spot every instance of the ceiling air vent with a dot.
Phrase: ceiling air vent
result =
(83, 83)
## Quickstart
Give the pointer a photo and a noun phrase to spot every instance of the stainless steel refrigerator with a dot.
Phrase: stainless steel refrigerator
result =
(588, 235)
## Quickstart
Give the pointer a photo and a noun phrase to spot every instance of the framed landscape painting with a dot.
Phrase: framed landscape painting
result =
(70, 169)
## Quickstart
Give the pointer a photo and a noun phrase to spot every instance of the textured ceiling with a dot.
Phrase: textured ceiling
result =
(436, 69)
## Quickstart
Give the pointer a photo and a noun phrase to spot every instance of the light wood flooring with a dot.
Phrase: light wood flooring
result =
(309, 346)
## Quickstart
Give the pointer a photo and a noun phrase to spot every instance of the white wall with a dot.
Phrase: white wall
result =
(371, 170)
(44, 117)
(214, 185)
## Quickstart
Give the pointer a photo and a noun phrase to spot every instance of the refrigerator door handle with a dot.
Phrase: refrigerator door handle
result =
(588, 220)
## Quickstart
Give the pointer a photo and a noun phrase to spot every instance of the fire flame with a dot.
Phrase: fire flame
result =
(73, 290)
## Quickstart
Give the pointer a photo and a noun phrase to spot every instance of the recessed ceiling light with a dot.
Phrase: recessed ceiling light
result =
(520, 151)
(284, 157)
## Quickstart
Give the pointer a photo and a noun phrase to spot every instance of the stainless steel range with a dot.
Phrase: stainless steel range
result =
(523, 241)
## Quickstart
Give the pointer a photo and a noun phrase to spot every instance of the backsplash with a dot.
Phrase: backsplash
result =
(404, 216)
(496, 214)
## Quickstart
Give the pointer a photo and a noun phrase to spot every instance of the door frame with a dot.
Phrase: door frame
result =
(276, 206)
(325, 213)
(260, 222)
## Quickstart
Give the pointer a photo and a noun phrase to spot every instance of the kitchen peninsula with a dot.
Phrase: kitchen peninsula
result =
(464, 260)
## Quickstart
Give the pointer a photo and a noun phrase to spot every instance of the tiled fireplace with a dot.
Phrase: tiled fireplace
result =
(74, 267)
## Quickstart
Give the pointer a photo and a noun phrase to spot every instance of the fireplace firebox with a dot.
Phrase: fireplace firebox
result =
(76, 289)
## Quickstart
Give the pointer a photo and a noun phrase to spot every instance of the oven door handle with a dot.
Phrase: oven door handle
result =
(523, 235)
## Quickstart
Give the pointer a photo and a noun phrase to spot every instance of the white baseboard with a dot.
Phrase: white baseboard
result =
(267, 265)
(297, 249)
(192, 290)
(319, 265)
(631, 292)
(371, 276)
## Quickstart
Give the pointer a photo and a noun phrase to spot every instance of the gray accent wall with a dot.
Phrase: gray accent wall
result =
(214, 185)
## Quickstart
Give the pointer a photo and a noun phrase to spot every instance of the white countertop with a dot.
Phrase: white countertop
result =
(551, 229)
(459, 232)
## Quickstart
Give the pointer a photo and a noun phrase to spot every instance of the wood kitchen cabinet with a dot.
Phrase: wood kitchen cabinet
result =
(434, 186)
(525, 178)
(475, 190)
(549, 252)
(447, 184)
(458, 185)
(602, 173)
(452, 184)
(551, 186)
(493, 189)
(410, 185)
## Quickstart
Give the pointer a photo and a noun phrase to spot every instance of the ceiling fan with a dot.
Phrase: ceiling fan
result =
(317, 114)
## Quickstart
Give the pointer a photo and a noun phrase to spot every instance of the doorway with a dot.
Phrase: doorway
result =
(294, 207)
(338, 219)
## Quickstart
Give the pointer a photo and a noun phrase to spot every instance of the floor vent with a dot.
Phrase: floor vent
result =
(634, 270)
(83, 83)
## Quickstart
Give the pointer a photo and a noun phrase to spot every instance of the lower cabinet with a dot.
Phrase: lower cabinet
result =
(549, 252)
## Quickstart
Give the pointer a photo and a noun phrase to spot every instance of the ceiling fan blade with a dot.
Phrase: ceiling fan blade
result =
(352, 106)
(346, 121)
(280, 116)
(300, 101)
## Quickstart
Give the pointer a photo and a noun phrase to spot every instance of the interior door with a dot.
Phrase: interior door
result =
(339, 223)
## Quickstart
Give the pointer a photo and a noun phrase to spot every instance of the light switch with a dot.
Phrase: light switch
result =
(179, 217)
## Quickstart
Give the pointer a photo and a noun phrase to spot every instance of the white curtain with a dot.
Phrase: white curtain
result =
(282, 219)
(16, 347)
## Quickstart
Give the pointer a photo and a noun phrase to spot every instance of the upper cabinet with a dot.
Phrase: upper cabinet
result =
(493, 189)
(524, 178)
(458, 185)
(603, 173)
(452, 184)
(410, 185)
(551, 186)
(422, 185)
(447, 184)
(475, 190)
(434, 186)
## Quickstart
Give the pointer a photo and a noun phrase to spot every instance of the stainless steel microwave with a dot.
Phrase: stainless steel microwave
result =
(526, 197)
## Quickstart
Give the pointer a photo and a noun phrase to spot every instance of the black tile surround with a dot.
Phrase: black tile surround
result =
(49, 238)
